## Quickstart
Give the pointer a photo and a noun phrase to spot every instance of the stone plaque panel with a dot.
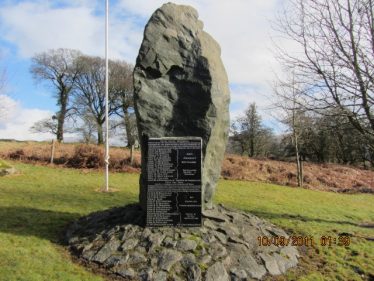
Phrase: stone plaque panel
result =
(174, 181)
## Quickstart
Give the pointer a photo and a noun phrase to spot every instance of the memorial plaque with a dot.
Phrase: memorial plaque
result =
(174, 182)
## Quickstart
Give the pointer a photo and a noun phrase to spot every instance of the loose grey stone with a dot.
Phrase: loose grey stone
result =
(235, 239)
(116, 260)
(285, 263)
(156, 239)
(271, 264)
(185, 235)
(217, 272)
(205, 259)
(209, 238)
(73, 240)
(146, 233)
(88, 254)
(254, 269)
(220, 236)
(227, 261)
(236, 218)
(238, 274)
(216, 250)
(146, 275)
(129, 231)
(194, 273)
(129, 244)
(203, 229)
(186, 245)
(160, 276)
(140, 249)
(276, 231)
(136, 257)
(214, 215)
(188, 260)
(169, 242)
(209, 224)
(282, 262)
(106, 251)
(179, 74)
(168, 258)
(175, 277)
(289, 251)
(127, 273)
(229, 230)
(7, 171)
(110, 233)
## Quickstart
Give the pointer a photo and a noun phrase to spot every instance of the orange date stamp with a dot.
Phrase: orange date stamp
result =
(307, 241)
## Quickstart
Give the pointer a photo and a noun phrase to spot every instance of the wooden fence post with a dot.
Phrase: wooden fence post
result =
(52, 150)
(132, 155)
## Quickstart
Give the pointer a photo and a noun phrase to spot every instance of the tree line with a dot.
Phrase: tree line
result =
(308, 137)
(78, 83)
(325, 95)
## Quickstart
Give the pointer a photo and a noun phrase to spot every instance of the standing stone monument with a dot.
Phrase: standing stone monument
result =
(181, 103)
(181, 90)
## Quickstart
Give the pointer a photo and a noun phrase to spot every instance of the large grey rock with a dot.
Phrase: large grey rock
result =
(168, 258)
(186, 245)
(217, 272)
(106, 251)
(127, 273)
(181, 89)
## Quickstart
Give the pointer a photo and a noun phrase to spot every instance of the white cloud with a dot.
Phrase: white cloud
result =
(37, 26)
(15, 121)
(8, 108)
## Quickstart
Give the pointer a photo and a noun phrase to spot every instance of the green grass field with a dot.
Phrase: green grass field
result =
(3, 165)
(36, 204)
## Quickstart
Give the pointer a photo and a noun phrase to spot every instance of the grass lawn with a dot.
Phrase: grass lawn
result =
(4, 165)
(36, 205)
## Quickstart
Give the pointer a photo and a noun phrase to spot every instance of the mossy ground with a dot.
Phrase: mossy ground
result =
(36, 204)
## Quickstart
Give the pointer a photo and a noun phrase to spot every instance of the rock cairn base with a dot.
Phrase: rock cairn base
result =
(224, 248)
(7, 171)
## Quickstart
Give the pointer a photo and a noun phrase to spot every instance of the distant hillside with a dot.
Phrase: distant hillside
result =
(327, 177)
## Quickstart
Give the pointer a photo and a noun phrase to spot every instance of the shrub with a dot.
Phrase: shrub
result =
(87, 156)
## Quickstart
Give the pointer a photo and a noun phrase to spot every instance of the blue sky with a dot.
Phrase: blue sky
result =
(241, 27)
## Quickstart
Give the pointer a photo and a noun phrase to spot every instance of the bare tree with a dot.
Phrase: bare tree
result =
(59, 69)
(46, 125)
(336, 58)
(49, 125)
(89, 93)
(288, 101)
(88, 128)
(121, 86)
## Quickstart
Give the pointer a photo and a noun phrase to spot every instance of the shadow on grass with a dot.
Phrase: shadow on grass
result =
(267, 215)
(35, 222)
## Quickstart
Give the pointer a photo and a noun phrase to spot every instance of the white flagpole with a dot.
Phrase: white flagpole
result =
(106, 97)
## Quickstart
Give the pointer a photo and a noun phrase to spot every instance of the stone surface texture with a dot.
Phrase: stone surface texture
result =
(222, 249)
(181, 89)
